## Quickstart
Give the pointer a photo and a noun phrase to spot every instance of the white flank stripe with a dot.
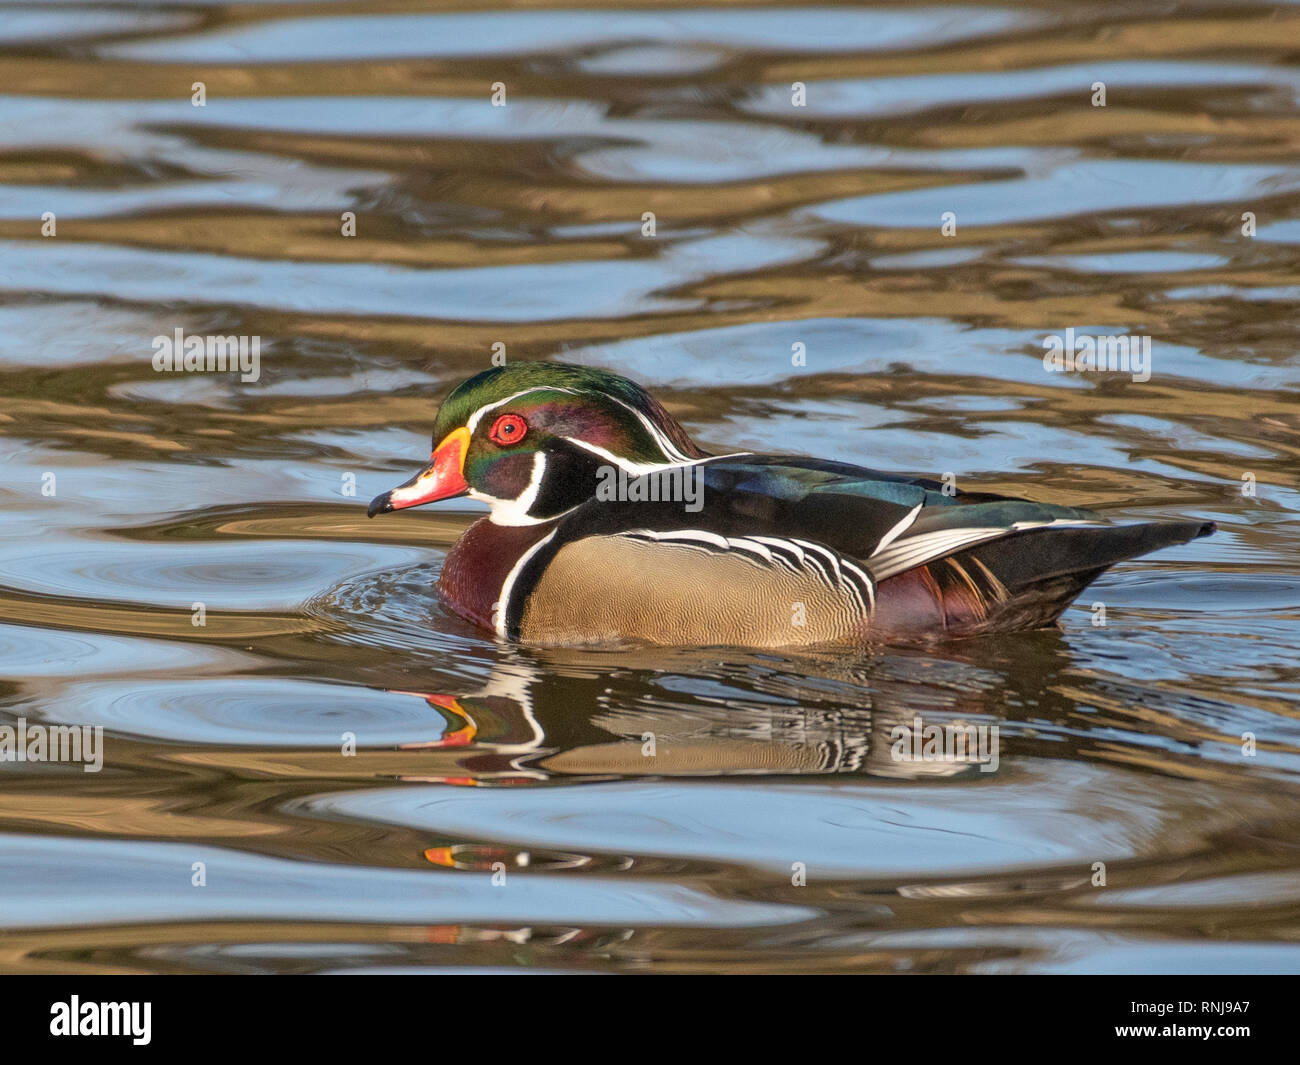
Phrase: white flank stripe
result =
(696, 535)
(788, 545)
(834, 559)
(867, 582)
(745, 544)
(508, 587)
(772, 550)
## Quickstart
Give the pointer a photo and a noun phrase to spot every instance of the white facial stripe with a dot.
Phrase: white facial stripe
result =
(528, 496)
(515, 511)
(508, 511)
(665, 445)
(477, 416)
(638, 468)
(670, 450)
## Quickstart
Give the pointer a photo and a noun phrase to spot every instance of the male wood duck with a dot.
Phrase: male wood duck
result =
(609, 525)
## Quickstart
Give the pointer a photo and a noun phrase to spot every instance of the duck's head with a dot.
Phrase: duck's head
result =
(529, 439)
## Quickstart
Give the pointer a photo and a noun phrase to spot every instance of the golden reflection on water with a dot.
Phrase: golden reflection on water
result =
(225, 741)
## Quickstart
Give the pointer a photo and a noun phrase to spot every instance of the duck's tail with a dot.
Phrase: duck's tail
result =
(1020, 581)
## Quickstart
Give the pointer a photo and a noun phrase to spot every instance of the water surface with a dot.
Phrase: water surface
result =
(500, 811)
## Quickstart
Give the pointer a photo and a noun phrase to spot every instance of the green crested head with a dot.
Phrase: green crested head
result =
(529, 438)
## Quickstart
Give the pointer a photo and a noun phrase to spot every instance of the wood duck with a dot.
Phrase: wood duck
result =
(609, 525)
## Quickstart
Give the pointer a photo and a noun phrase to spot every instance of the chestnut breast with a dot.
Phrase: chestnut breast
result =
(479, 563)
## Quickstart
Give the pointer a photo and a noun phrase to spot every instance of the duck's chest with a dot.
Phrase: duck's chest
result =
(479, 565)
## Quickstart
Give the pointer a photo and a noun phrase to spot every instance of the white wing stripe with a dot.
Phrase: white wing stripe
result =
(912, 551)
(920, 549)
(897, 530)
(867, 583)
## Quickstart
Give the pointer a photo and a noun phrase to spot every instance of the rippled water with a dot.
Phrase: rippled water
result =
(131, 496)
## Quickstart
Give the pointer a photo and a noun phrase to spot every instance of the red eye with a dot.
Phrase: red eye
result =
(508, 429)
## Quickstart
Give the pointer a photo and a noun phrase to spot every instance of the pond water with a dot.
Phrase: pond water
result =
(185, 559)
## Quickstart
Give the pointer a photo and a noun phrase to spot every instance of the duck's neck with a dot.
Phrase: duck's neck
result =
(479, 564)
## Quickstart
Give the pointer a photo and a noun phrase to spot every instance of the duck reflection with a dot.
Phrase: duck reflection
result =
(547, 714)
